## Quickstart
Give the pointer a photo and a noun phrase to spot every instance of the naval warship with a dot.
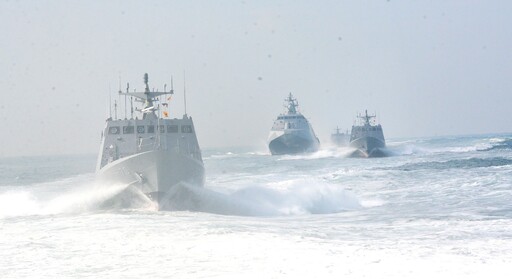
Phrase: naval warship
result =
(367, 137)
(340, 139)
(291, 132)
(152, 154)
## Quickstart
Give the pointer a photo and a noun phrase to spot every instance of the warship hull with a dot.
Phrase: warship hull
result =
(292, 144)
(154, 174)
(367, 147)
(340, 139)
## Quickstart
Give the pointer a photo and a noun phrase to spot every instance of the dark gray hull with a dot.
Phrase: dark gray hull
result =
(368, 147)
(292, 144)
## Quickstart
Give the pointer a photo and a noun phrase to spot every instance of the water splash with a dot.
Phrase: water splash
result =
(292, 197)
(47, 199)
(331, 152)
(70, 196)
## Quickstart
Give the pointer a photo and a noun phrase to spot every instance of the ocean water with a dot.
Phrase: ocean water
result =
(436, 207)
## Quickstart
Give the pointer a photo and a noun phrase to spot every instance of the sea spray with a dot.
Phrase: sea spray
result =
(84, 198)
(291, 197)
(45, 199)
(421, 215)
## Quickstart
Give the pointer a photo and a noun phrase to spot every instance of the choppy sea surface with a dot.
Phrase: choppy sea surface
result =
(436, 207)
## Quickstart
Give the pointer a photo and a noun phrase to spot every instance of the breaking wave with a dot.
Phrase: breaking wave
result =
(458, 164)
(331, 152)
(498, 144)
(76, 196)
(425, 147)
(293, 197)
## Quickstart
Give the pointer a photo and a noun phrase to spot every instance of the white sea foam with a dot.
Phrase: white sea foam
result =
(289, 197)
(284, 198)
(372, 202)
(407, 149)
(497, 140)
(430, 213)
(334, 152)
(18, 203)
(47, 199)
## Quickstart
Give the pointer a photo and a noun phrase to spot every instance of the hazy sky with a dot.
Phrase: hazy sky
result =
(426, 67)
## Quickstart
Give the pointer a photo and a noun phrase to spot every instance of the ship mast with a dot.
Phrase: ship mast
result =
(184, 94)
(148, 97)
(366, 118)
(292, 104)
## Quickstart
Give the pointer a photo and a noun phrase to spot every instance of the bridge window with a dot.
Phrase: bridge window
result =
(128, 129)
(186, 129)
(141, 129)
(161, 128)
(172, 128)
(114, 130)
(151, 129)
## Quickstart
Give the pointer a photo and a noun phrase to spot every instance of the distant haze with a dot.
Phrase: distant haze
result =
(426, 68)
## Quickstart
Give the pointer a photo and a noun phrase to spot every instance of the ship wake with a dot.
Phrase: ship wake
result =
(75, 196)
(286, 198)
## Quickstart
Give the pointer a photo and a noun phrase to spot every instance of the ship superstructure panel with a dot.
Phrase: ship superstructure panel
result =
(122, 138)
(367, 131)
(296, 121)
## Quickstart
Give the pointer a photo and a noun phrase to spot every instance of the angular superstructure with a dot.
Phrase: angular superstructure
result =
(151, 154)
(292, 133)
(367, 137)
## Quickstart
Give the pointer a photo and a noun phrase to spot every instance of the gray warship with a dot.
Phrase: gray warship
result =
(152, 154)
(291, 132)
(367, 137)
(340, 139)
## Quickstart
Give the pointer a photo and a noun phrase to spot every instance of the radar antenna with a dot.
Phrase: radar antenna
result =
(115, 109)
(292, 104)
(119, 92)
(366, 118)
(147, 97)
(172, 87)
(184, 93)
(109, 102)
